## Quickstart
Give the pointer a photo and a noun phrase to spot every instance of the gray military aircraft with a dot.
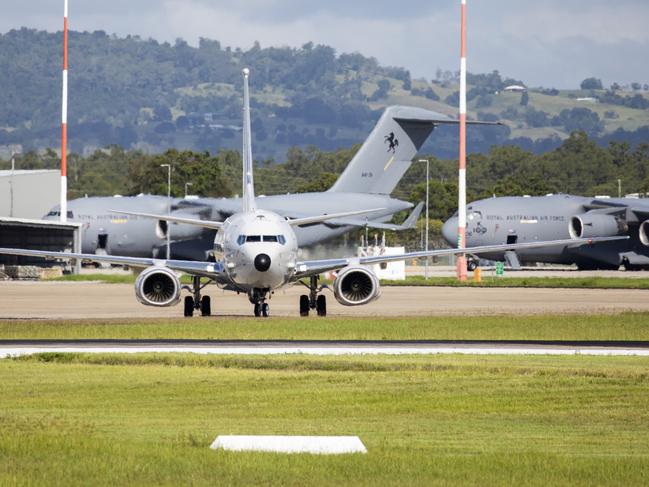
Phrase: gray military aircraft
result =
(366, 183)
(256, 252)
(530, 219)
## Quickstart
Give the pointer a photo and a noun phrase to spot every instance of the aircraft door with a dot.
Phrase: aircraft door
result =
(102, 243)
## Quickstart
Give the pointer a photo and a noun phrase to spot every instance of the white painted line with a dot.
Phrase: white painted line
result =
(334, 350)
(319, 445)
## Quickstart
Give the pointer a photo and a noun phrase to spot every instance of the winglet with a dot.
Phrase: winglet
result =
(412, 218)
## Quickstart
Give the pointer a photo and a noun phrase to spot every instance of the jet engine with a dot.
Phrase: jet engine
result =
(596, 225)
(179, 231)
(356, 285)
(157, 286)
(643, 233)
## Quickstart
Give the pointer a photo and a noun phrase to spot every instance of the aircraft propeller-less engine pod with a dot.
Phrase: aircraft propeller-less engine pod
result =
(256, 252)
(355, 285)
(593, 224)
(157, 286)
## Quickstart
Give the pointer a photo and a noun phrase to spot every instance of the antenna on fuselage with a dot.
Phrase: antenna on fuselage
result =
(248, 182)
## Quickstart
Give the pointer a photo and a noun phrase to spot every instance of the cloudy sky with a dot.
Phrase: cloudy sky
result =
(545, 43)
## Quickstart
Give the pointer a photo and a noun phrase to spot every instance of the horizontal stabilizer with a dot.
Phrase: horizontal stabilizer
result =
(169, 218)
(445, 121)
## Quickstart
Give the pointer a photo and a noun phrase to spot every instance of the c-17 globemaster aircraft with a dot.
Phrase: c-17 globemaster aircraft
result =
(520, 219)
(366, 183)
(257, 253)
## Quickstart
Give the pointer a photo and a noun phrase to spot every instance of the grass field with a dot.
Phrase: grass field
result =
(622, 326)
(149, 419)
(538, 282)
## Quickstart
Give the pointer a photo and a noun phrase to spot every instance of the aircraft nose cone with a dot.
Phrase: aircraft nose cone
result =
(262, 262)
(449, 231)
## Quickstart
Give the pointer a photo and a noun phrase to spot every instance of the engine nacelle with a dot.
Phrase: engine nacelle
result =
(356, 285)
(179, 231)
(596, 225)
(157, 286)
(643, 233)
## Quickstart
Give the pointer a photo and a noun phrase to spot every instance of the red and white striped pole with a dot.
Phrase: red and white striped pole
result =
(64, 120)
(461, 231)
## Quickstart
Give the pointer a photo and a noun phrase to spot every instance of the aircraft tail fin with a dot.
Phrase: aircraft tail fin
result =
(387, 153)
(248, 195)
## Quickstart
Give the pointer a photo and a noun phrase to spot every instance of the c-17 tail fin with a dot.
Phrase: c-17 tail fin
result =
(387, 153)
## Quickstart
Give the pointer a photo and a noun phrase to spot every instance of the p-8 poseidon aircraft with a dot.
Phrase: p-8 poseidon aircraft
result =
(256, 252)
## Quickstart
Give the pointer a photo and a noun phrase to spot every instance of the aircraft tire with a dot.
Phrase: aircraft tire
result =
(321, 305)
(304, 305)
(257, 310)
(471, 265)
(189, 306)
(206, 306)
(265, 310)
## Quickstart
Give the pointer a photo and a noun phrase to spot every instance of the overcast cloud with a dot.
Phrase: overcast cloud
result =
(550, 43)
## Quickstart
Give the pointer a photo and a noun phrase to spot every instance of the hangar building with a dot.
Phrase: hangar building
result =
(25, 197)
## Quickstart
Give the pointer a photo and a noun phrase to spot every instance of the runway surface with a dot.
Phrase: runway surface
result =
(317, 347)
(79, 300)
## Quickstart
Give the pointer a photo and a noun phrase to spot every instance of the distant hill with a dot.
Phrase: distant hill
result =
(139, 93)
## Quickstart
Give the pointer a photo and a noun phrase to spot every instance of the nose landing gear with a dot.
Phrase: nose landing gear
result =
(196, 301)
(258, 298)
(314, 300)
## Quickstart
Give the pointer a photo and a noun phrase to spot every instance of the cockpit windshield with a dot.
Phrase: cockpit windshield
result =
(281, 239)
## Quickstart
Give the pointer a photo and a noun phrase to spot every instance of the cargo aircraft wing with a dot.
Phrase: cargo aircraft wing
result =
(313, 267)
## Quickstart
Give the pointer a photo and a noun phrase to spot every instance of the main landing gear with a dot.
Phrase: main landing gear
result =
(314, 300)
(258, 298)
(196, 301)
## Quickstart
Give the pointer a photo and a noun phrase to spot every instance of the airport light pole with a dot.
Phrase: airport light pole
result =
(168, 166)
(461, 230)
(427, 190)
(63, 205)
(187, 184)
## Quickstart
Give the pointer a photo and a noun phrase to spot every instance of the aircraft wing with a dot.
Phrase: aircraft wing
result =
(313, 267)
(406, 225)
(309, 220)
(211, 270)
(170, 218)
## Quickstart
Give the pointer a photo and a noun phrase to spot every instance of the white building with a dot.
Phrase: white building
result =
(29, 194)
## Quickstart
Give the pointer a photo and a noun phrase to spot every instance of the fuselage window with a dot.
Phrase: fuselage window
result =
(54, 213)
(253, 238)
(270, 238)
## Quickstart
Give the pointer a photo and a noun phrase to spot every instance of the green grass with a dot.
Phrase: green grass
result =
(536, 282)
(622, 326)
(149, 419)
(99, 277)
